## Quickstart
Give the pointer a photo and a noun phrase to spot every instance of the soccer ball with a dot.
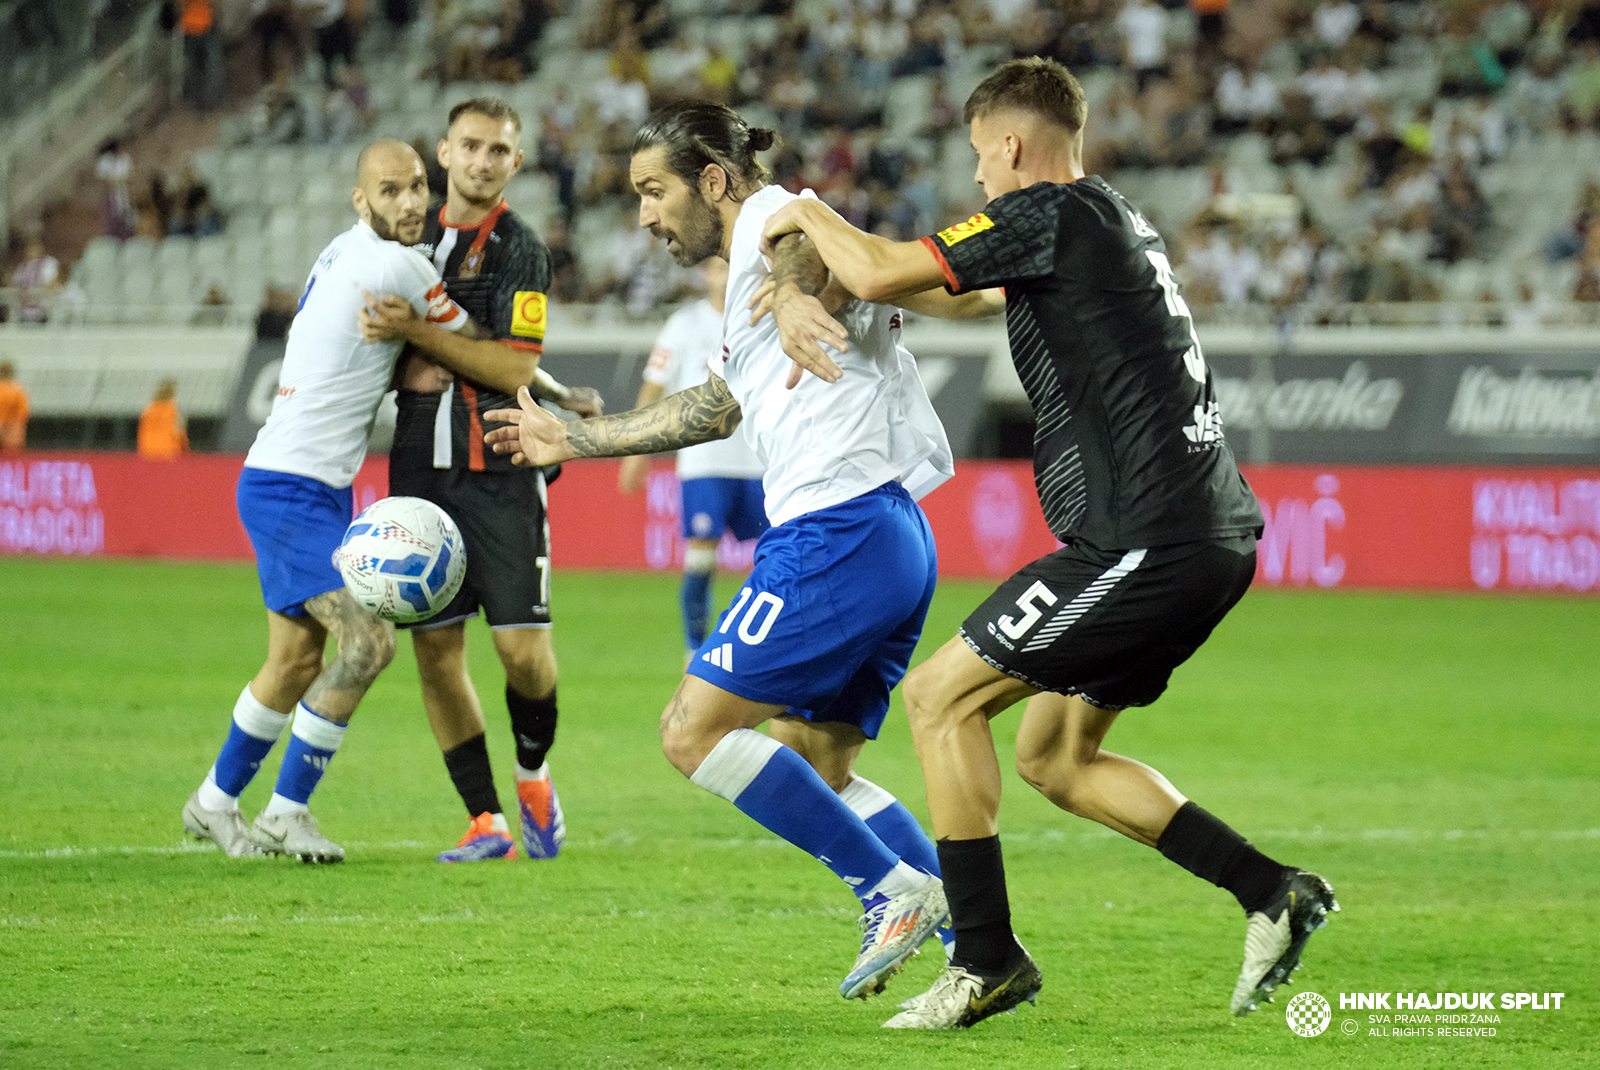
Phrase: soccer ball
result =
(402, 558)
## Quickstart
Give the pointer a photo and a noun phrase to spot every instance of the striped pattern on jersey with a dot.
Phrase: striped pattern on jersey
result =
(1058, 467)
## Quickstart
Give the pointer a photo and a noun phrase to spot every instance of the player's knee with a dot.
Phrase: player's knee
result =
(681, 745)
(1052, 774)
(920, 692)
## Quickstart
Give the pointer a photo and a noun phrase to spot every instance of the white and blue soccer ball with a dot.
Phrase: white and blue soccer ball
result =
(402, 558)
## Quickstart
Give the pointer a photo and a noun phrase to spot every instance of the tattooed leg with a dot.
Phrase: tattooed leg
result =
(365, 647)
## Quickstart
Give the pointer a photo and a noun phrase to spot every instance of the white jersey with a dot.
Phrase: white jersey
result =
(825, 443)
(679, 360)
(332, 381)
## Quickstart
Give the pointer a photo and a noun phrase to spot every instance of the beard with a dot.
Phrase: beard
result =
(389, 230)
(701, 235)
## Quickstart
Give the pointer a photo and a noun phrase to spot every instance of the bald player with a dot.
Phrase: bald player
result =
(295, 501)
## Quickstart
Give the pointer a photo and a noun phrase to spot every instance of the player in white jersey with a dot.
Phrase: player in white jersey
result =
(825, 626)
(719, 482)
(295, 502)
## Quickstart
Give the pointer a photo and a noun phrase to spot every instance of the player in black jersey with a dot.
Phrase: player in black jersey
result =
(496, 267)
(1136, 478)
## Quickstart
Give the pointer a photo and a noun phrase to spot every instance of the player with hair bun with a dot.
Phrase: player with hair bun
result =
(825, 625)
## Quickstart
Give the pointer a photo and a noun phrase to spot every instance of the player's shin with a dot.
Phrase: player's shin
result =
(1201, 843)
(694, 594)
(780, 791)
(251, 736)
(312, 744)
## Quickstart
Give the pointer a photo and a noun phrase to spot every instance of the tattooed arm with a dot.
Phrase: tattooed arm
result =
(535, 437)
(799, 279)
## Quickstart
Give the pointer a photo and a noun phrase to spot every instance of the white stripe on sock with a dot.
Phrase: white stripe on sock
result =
(866, 798)
(258, 720)
(734, 762)
(316, 730)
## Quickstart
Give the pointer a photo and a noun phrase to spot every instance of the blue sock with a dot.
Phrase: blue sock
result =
(779, 790)
(892, 823)
(253, 731)
(312, 744)
(694, 597)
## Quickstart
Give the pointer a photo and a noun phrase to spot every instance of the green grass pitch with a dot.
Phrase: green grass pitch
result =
(1435, 756)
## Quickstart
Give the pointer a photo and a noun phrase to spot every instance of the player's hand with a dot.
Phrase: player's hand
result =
(383, 319)
(804, 326)
(786, 220)
(534, 437)
(633, 473)
(583, 400)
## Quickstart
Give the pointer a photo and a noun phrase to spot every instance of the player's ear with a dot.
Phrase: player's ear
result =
(443, 153)
(1013, 149)
(358, 197)
(713, 182)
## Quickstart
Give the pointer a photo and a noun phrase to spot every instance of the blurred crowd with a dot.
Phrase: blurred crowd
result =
(1344, 144)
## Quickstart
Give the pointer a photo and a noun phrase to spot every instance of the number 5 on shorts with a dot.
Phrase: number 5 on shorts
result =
(1031, 613)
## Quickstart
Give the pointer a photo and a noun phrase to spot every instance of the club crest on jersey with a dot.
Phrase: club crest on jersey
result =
(962, 231)
(471, 265)
(528, 314)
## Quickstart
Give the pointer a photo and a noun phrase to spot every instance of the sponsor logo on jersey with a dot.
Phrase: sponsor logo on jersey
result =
(528, 314)
(1207, 427)
(962, 231)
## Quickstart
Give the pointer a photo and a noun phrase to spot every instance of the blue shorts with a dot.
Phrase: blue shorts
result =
(714, 504)
(295, 524)
(828, 619)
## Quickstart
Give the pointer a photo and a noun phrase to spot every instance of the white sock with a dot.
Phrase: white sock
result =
(280, 805)
(213, 797)
(541, 773)
(902, 878)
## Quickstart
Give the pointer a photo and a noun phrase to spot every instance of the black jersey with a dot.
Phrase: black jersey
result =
(498, 271)
(1128, 448)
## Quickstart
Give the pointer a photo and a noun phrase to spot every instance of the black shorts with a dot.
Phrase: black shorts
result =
(503, 522)
(1110, 625)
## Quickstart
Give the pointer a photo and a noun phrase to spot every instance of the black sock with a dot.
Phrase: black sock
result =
(533, 722)
(468, 764)
(975, 886)
(1198, 841)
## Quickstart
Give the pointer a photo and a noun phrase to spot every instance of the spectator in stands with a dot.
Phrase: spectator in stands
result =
(1535, 92)
(1143, 24)
(1581, 104)
(1116, 139)
(621, 97)
(114, 167)
(1380, 146)
(1505, 27)
(1459, 221)
(204, 81)
(1467, 65)
(36, 280)
(1571, 239)
(1246, 98)
(163, 433)
(349, 113)
(566, 283)
(335, 34)
(1211, 28)
(1298, 134)
(1587, 288)
(1375, 33)
(1334, 22)
(279, 117)
(522, 25)
(13, 410)
(719, 76)
(272, 25)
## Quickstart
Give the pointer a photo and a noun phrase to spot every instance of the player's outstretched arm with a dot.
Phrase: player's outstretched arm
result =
(873, 268)
(634, 470)
(535, 437)
(974, 304)
(469, 351)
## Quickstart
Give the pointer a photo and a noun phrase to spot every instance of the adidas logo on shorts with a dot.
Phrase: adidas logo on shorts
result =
(720, 656)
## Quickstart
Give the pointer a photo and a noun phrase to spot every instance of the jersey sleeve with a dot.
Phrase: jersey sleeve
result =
(518, 307)
(416, 280)
(1012, 240)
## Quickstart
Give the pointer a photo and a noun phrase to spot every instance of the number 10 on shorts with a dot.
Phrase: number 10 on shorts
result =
(758, 618)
